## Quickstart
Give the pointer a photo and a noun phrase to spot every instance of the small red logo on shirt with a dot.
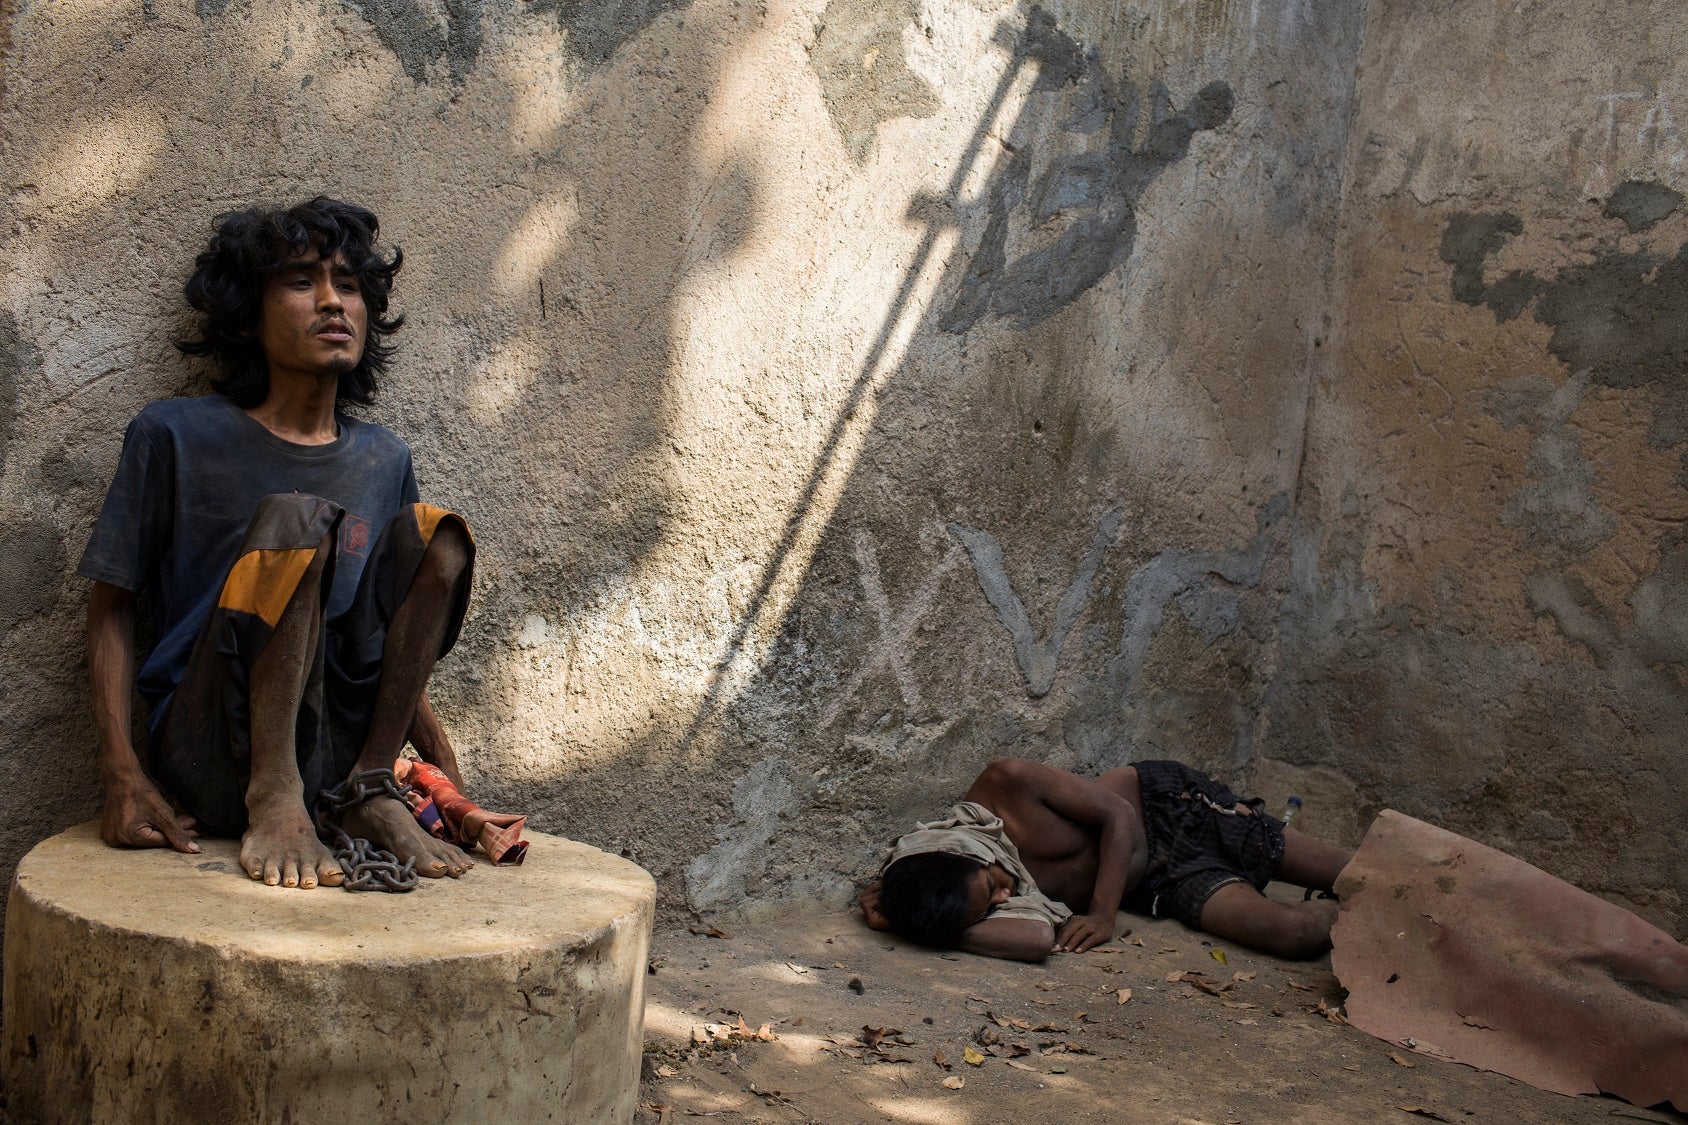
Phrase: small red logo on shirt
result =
(354, 535)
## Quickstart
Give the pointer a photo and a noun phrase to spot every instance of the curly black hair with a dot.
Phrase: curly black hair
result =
(248, 248)
(925, 897)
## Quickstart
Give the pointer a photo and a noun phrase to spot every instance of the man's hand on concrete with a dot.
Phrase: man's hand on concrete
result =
(136, 815)
(1085, 931)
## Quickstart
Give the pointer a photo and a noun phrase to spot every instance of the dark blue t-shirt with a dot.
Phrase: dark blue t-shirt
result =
(190, 477)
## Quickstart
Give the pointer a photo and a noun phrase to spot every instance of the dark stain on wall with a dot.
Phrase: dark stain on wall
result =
(597, 28)
(1622, 316)
(863, 69)
(32, 569)
(1640, 205)
(15, 355)
(412, 30)
(1079, 214)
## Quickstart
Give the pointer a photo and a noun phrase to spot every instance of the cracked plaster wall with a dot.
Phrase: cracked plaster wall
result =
(1485, 619)
(843, 392)
(847, 393)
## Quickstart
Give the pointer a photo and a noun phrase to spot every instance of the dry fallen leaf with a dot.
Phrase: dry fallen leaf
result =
(664, 1112)
(765, 1034)
(800, 970)
(940, 1058)
(1124, 994)
(1398, 1060)
(873, 1036)
(1138, 942)
(1176, 976)
(1250, 975)
(665, 1071)
(709, 931)
(972, 1057)
(954, 1082)
(1022, 1066)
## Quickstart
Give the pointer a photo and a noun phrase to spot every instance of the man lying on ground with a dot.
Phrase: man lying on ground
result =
(300, 591)
(1037, 859)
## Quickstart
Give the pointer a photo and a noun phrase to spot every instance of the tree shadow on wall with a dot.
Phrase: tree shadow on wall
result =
(566, 475)
(870, 695)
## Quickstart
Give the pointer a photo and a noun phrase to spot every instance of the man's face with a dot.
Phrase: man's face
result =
(991, 886)
(313, 320)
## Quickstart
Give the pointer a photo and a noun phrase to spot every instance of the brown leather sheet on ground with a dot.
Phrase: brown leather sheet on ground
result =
(1462, 952)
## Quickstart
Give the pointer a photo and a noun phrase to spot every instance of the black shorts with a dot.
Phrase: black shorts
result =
(202, 749)
(1199, 842)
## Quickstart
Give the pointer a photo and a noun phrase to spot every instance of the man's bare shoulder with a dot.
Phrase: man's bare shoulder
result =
(1010, 785)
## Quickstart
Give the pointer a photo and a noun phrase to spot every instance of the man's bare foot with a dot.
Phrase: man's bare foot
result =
(1325, 910)
(473, 822)
(281, 848)
(390, 825)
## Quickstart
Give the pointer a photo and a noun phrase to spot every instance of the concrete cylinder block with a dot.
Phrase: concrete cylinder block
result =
(150, 985)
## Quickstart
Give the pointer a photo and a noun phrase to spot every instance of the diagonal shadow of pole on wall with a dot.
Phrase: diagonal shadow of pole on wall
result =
(797, 523)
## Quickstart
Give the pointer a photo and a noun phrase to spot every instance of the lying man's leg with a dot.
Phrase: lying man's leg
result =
(421, 629)
(1239, 913)
(1311, 863)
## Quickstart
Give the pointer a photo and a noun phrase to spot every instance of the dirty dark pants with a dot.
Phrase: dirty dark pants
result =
(1199, 841)
(203, 749)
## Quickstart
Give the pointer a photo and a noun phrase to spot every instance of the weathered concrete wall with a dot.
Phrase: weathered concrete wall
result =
(1486, 620)
(843, 393)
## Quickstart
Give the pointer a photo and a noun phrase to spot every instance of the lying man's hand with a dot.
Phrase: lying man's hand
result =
(136, 815)
(870, 907)
(1085, 931)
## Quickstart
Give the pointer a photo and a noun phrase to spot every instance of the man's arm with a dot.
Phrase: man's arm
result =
(135, 813)
(428, 736)
(1123, 851)
(1011, 939)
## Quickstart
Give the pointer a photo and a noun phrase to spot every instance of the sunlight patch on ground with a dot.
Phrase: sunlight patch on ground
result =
(665, 1019)
(926, 1111)
(781, 972)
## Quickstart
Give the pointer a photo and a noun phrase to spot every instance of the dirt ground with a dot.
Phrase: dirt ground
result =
(863, 1027)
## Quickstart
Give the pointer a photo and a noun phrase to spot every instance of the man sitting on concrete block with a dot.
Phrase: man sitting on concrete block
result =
(1037, 859)
(300, 591)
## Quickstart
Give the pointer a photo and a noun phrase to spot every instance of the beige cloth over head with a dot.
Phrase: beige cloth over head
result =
(974, 831)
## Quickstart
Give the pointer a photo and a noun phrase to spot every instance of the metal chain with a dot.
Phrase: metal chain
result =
(367, 867)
